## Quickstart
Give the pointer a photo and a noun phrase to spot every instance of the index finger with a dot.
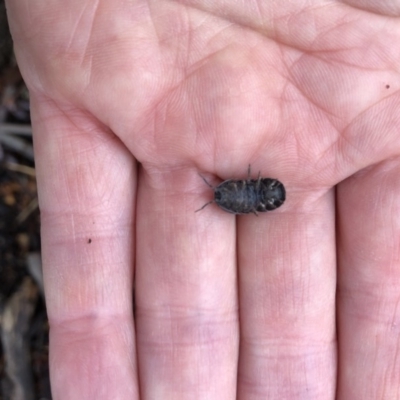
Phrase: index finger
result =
(86, 181)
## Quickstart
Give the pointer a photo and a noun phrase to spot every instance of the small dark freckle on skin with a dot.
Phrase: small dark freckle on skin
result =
(387, 86)
(89, 241)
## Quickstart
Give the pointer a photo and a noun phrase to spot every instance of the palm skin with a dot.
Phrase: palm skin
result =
(299, 303)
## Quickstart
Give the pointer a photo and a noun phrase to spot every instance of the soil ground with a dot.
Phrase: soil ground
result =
(24, 372)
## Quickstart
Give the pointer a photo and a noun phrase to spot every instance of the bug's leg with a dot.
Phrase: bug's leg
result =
(249, 171)
(205, 205)
(258, 180)
(204, 179)
(255, 213)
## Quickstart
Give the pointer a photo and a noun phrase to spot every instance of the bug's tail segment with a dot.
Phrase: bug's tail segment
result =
(283, 191)
(273, 194)
(205, 205)
(278, 194)
(279, 190)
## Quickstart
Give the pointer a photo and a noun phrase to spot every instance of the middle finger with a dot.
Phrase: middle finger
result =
(287, 284)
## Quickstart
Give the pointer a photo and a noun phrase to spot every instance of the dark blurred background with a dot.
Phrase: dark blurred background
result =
(24, 373)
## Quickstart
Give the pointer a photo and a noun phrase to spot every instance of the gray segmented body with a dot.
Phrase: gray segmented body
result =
(248, 195)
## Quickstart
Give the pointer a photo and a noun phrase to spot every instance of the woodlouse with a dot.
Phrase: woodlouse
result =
(248, 195)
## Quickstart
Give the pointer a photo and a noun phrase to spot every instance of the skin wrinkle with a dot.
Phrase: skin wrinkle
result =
(239, 23)
(182, 329)
(189, 40)
(341, 142)
(194, 70)
(74, 33)
(266, 380)
(391, 12)
(331, 64)
(385, 384)
(334, 143)
(87, 45)
(152, 19)
(258, 9)
(395, 321)
(359, 46)
(205, 11)
(394, 374)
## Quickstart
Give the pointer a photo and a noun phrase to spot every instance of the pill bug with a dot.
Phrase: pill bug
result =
(248, 195)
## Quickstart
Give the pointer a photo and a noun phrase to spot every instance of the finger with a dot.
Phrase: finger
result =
(86, 191)
(369, 284)
(286, 266)
(186, 299)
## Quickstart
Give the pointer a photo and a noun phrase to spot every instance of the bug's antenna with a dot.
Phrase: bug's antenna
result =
(205, 205)
(212, 187)
(204, 179)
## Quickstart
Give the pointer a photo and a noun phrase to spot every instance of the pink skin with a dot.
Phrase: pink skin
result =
(299, 303)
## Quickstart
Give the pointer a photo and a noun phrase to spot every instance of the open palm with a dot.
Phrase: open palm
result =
(300, 303)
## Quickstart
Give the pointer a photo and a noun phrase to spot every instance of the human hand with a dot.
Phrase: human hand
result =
(297, 303)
